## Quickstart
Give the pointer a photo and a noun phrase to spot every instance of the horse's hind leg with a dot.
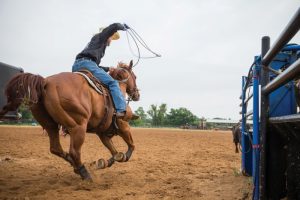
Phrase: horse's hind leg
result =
(41, 115)
(77, 135)
(55, 146)
(76, 140)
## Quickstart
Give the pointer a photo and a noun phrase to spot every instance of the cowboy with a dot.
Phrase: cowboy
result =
(90, 57)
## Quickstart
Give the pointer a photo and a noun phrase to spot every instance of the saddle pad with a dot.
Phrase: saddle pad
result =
(91, 83)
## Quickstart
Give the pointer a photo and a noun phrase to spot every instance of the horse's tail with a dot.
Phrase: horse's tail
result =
(23, 88)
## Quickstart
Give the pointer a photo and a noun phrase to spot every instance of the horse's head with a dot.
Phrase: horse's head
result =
(124, 74)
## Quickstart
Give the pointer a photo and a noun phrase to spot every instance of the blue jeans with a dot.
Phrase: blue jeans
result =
(105, 78)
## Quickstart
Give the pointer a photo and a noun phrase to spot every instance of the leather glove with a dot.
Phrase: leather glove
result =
(126, 26)
(121, 27)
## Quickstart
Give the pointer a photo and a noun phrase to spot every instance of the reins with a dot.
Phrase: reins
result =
(131, 91)
(126, 79)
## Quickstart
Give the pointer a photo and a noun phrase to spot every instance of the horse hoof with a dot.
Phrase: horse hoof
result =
(120, 157)
(88, 179)
(101, 164)
(84, 174)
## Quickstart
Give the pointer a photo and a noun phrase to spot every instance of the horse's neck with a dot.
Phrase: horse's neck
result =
(123, 89)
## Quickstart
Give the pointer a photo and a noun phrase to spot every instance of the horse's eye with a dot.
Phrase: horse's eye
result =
(119, 76)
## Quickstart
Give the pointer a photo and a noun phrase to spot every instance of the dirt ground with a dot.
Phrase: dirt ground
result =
(167, 164)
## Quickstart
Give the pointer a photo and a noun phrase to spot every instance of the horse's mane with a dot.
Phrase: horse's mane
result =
(122, 65)
(116, 74)
(26, 86)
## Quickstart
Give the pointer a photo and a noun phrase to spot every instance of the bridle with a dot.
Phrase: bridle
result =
(132, 91)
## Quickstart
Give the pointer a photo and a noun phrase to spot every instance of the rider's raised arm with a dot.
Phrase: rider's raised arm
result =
(110, 30)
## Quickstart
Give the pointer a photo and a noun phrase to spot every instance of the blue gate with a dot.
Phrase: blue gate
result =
(274, 162)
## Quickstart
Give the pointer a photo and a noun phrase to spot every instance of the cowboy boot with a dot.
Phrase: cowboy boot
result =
(128, 115)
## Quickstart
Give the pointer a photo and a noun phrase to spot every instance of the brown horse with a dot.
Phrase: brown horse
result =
(236, 135)
(67, 100)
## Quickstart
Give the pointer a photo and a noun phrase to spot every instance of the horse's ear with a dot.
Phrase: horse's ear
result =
(130, 64)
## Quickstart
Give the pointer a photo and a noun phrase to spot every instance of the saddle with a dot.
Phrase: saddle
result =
(103, 90)
(93, 81)
(109, 122)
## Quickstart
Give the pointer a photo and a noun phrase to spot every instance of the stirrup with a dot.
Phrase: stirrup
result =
(115, 122)
(120, 115)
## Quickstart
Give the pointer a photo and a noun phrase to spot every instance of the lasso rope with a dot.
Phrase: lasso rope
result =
(138, 39)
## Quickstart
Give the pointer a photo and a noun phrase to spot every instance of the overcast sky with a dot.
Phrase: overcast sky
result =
(206, 45)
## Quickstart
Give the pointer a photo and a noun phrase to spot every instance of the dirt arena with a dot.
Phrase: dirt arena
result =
(167, 164)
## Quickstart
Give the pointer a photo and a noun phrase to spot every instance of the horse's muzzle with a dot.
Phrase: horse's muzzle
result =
(135, 96)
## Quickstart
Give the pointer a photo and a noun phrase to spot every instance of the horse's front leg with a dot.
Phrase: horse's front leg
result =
(106, 140)
(125, 133)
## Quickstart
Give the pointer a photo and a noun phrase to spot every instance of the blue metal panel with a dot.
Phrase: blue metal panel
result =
(247, 152)
(282, 101)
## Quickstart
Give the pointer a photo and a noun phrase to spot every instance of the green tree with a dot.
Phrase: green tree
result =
(153, 115)
(143, 120)
(157, 114)
(140, 112)
(181, 116)
(162, 113)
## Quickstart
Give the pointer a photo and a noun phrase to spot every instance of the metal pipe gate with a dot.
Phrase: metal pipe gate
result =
(271, 115)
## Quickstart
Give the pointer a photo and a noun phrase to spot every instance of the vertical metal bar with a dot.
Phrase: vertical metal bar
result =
(255, 141)
(263, 120)
(244, 110)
